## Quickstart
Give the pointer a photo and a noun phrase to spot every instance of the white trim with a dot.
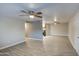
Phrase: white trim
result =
(11, 45)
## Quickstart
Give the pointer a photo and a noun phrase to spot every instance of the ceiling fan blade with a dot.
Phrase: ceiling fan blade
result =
(38, 16)
(39, 13)
(23, 11)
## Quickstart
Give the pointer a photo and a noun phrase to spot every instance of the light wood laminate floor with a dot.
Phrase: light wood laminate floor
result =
(49, 46)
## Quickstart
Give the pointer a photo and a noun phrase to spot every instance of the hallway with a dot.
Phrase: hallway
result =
(50, 46)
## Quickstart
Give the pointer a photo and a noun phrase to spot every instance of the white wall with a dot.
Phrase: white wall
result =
(58, 29)
(74, 32)
(11, 32)
(34, 30)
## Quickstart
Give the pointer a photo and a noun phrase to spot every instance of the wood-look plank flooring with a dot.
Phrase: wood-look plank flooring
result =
(49, 46)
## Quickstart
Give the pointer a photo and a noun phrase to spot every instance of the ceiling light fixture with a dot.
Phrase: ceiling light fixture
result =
(31, 16)
(55, 21)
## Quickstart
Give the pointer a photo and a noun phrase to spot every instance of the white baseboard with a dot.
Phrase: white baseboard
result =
(11, 45)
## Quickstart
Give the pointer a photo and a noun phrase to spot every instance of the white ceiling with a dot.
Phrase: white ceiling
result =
(63, 12)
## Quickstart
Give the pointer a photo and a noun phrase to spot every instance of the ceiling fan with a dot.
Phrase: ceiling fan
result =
(31, 14)
(55, 21)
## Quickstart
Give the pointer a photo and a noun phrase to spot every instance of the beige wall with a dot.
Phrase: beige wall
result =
(58, 29)
(28, 29)
(48, 30)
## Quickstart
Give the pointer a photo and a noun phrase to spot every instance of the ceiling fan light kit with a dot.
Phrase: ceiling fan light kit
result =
(31, 16)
